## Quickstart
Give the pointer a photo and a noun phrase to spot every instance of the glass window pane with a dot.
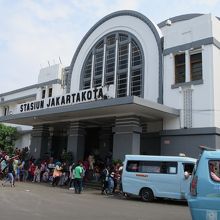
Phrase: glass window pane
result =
(123, 37)
(110, 60)
(98, 63)
(196, 66)
(123, 57)
(136, 54)
(136, 82)
(100, 45)
(111, 40)
(122, 84)
(214, 170)
(180, 68)
(87, 72)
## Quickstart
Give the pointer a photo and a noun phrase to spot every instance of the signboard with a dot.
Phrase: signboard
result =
(68, 99)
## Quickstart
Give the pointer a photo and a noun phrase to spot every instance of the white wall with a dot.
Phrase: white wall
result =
(202, 95)
(50, 73)
(20, 94)
(187, 31)
(216, 83)
(143, 33)
(216, 27)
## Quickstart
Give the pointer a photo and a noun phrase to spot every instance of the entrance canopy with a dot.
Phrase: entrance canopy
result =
(95, 111)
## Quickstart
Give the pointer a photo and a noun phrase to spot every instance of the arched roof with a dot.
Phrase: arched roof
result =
(155, 30)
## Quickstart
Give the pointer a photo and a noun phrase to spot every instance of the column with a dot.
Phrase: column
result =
(76, 140)
(126, 139)
(187, 66)
(39, 141)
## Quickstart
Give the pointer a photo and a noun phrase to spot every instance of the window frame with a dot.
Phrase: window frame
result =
(50, 92)
(192, 53)
(113, 71)
(43, 93)
(177, 66)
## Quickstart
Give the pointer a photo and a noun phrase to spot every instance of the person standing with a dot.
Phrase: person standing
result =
(78, 177)
(104, 179)
(72, 176)
(57, 174)
(10, 174)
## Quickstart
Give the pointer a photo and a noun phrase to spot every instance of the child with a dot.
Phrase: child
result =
(37, 174)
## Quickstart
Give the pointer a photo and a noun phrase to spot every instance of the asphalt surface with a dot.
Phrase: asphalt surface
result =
(43, 202)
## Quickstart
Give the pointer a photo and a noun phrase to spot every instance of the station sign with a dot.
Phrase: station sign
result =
(67, 99)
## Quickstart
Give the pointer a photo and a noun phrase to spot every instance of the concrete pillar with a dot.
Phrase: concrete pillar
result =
(105, 141)
(126, 139)
(39, 141)
(76, 140)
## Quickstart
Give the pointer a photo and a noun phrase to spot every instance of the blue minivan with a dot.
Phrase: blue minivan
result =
(151, 177)
(204, 198)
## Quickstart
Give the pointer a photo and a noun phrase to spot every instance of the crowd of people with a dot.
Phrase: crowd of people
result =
(22, 167)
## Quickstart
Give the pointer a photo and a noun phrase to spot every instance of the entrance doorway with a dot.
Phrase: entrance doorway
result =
(59, 144)
(92, 144)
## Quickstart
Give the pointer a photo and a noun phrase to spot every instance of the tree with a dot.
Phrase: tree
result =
(8, 135)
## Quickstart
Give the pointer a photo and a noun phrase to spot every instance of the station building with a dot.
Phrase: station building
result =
(133, 87)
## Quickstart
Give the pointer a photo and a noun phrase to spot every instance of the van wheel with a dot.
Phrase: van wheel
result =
(147, 195)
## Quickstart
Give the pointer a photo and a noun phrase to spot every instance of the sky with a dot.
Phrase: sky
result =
(34, 33)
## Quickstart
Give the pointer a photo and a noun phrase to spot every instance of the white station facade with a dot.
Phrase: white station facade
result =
(133, 87)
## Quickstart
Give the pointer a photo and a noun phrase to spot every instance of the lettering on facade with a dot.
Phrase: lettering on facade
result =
(68, 99)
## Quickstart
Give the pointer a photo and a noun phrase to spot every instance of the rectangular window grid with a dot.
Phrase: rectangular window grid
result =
(180, 70)
(196, 66)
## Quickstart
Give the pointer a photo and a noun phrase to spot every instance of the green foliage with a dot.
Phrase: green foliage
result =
(117, 161)
(8, 135)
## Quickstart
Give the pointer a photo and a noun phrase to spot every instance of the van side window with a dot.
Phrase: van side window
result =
(132, 166)
(188, 167)
(214, 170)
(152, 167)
(168, 167)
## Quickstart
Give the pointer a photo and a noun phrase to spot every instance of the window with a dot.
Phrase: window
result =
(214, 170)
(50, 92)
(108, 63)
(180, 68)
(188, 167)
(196, 66)
(123, 57)
(43, 93)
(160, 167)
(122, 84)
(185, 72)
(87, 73)
(136, 82)
(6, 110)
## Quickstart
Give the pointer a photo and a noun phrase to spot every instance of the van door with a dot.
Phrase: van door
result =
(167, 183)
(186, 170)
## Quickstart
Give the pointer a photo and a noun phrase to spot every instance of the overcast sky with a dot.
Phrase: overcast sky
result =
(35, 32)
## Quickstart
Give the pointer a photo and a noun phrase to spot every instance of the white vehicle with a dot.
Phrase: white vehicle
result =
(157, 176)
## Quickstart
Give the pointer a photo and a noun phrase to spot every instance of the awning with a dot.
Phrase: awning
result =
(95, 111)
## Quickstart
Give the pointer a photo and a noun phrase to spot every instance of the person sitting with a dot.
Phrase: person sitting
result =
(212, 172)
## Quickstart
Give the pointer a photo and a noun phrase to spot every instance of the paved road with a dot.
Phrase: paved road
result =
(43, 202)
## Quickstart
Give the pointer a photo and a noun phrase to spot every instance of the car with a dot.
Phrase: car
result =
(151, 177)
(204, 197)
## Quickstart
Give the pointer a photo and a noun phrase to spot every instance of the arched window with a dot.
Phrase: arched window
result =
(116, 59)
